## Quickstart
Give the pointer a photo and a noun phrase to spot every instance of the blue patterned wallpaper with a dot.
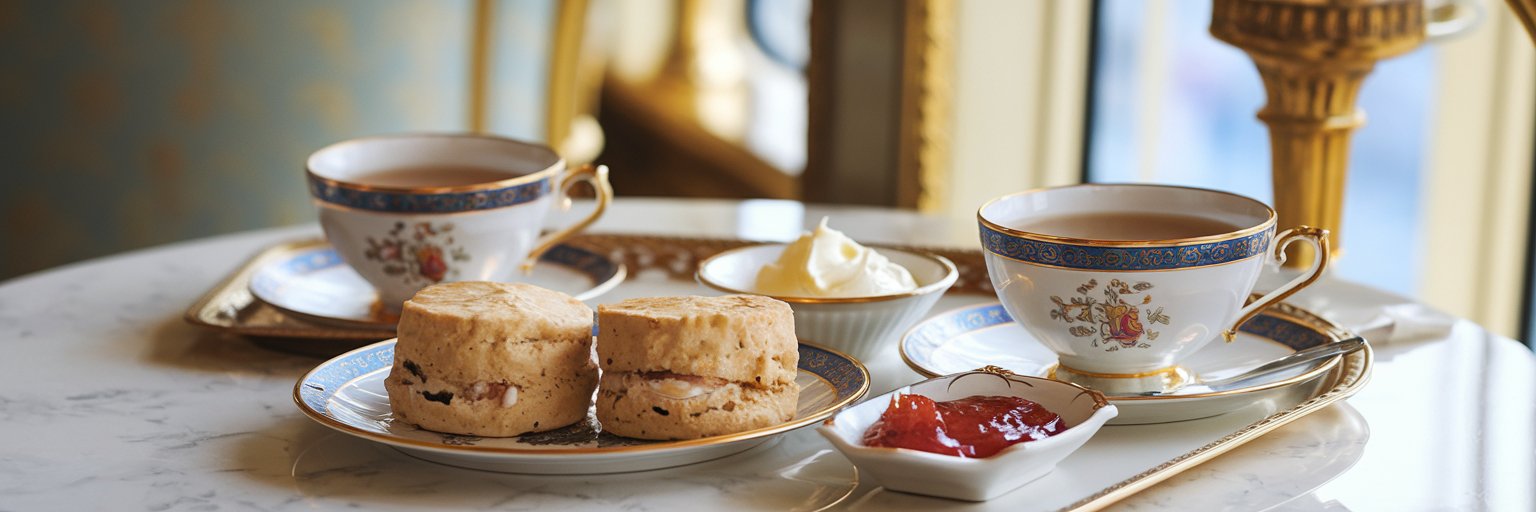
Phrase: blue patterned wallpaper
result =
(125, 124)
(521, 46)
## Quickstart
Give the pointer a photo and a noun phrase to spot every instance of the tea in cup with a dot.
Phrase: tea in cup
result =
(408, 211)
(1124, 281)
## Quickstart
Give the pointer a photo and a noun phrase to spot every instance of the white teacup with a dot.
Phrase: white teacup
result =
(1124, 281)
(408, 211)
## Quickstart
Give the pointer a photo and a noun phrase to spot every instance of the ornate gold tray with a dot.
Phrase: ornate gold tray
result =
(229, 307)
(1345, 379)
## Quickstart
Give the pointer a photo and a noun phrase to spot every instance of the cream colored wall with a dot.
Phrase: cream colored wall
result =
(1018, 97)
(1019, 88)
(1478, 183)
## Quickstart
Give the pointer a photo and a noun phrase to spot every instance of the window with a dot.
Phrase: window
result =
(1171, 104)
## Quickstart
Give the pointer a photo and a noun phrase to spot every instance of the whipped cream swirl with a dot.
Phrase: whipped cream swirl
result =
(826, 263)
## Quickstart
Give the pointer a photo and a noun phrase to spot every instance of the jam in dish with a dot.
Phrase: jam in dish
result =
(971, 427)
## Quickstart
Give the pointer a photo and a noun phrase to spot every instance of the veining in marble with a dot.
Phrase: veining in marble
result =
(108, 401)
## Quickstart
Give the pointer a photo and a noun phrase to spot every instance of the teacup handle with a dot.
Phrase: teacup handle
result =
(1318, 237)
(598, 177)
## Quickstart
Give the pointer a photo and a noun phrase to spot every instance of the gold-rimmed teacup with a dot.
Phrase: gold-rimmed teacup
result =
(408, 211)
(1124, 281)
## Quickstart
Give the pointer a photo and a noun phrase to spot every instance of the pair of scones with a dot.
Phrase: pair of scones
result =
(498, 359)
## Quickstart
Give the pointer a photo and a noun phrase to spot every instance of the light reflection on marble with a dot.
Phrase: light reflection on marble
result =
(109, 401)
(1306, 455)
(788, 475)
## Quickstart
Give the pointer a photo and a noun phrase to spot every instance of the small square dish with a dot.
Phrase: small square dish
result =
(973, 479)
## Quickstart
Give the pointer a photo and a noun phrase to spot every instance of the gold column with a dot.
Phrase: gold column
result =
(1526, 11)
(1312, 56)
(927, 71)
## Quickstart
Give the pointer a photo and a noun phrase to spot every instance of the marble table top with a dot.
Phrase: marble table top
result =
(109, 401)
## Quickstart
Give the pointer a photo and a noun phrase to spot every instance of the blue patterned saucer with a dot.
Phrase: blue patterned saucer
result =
(980, 335)
(313, 283)
(347, 393)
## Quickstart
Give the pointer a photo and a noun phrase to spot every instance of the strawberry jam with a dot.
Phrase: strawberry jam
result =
(972, 427)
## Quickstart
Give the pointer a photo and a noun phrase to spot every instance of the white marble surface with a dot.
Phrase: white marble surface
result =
(108, 401)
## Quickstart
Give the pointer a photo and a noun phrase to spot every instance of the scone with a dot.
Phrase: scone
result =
(492, 359)
(692, 367)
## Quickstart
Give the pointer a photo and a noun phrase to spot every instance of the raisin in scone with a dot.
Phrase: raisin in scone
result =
(492, 359)
(692, 367)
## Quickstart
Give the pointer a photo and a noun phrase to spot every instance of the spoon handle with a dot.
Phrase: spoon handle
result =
(1300, 357)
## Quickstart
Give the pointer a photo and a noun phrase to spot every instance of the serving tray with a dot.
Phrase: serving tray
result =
(231, 308)
(1183, 445)
(668, 264)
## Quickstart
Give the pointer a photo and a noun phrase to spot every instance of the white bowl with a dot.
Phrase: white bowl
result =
(946, 476)
(860, 326)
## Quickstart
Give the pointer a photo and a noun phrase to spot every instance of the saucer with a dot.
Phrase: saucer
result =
(313, 283)
(347, 394)
(981, 335)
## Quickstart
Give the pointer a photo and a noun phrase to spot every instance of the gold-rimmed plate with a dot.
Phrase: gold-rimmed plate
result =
(984, 334)
(347, 393)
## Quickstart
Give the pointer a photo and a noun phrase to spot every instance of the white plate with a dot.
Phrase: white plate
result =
(347, 394)
(315, 284)
(981, 335)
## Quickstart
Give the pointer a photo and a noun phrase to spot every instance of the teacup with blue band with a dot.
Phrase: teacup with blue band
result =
(1123, 281)
(439, 225)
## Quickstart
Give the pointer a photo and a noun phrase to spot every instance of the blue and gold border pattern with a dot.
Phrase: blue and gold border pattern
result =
(1086, 257)
(418, 202)
(596, 266)
(319, 386)
(1287, 332)
(844, 376)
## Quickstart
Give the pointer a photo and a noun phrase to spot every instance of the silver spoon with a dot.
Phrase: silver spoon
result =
(1301, 357)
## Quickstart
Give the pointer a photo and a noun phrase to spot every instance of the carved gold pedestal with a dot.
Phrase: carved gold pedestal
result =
(1313, 56)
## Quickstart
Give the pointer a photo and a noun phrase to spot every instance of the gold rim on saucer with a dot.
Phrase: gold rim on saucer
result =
(1282, 310)
(1164, 380)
